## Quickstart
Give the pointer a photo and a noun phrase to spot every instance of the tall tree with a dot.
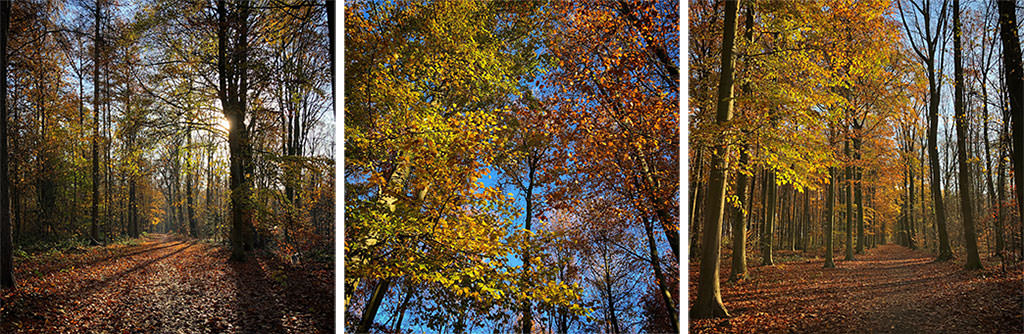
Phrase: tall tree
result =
(931, 37)
(97, 46)
(1013, 74)
(709, 297)
(6, 243)
(233, 89)
(965, 185)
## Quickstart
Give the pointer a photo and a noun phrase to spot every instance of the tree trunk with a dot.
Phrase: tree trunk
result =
(232, 93)
(739, 230)
(695, 210)
(96, 127)
(1001, 186)
(608, 292)
(1014, 76)
(966, 187)
(526, 323)
(858, 195)
(6, 243)
(770, 202)
(709, 297)
(910, 208)
(370, 312)
(189, 205)
(849, 204)
(666, 294)
(830, 218)
(935, 168)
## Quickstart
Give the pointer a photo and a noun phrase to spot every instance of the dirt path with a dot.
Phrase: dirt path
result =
(890, 289)
(165, 285)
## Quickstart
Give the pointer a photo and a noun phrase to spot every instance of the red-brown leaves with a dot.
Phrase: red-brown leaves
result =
(890, 289)
(167, 285)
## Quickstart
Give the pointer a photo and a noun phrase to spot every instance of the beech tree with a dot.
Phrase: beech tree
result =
(709, 298)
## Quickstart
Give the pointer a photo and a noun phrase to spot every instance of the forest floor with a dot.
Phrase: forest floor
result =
(889, 289)
(165, 284)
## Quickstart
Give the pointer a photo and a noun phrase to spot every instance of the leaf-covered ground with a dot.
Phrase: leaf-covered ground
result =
(889, 289)
(166, 285)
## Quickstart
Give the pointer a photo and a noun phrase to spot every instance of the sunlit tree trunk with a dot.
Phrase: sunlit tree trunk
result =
(709, 298)
(696, 194)
(233, 90)
(739, 228)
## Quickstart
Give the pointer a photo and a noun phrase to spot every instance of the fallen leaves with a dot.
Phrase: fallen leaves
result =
(167, 286)
(890, 289)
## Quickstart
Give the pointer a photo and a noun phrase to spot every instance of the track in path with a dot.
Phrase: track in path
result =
(165, 285)
(889, 289)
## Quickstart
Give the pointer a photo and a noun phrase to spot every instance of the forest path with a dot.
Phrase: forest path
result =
(889, 289)
(165, 284)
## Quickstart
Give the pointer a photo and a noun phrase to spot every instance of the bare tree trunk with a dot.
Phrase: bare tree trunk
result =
(1014, 76)
(967, 210)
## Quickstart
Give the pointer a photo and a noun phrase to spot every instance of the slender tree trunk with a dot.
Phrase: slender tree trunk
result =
(709, 297)
(666, 294)
(967, 210)
(526, 323)
(858, 195)
(608, 292)
(997, 224)
(849, 205)
(830, 217)
(739, 230)
(6, 243)
(936, 170)
(770, 202)
(910, 208)
(96, 127)
(189, 205)
(329, 4)
(696, 194)
(370, 312)
(1001, 185)
(410, 291)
